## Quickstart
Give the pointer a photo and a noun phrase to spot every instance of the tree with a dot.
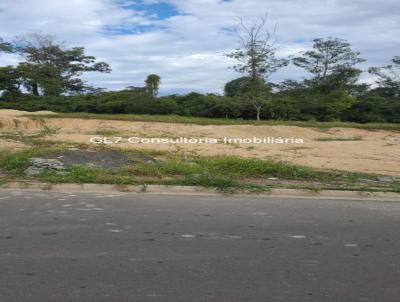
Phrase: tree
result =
(388, 77)
(256, 92)
(259, 95)
(5, 46)
(256, 58)
(10, 79)
(343, 79)
(152, 84)
(256, 52)
(329, 59)
(237, 87)
(52, 68)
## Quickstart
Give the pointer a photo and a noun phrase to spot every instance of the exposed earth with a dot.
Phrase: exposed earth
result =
(370, 151)
(98, 158)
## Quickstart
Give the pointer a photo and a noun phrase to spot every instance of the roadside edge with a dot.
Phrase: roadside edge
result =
(199, 191)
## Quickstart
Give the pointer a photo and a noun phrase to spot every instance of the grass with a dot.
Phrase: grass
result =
(16, 163)
(106, 132)
(225, 173)
(222, 172)
(219, 121)
(339, 139)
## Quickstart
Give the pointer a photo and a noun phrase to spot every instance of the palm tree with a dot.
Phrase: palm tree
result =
(153, 83)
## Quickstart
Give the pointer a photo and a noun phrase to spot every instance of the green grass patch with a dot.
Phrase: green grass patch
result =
(17, 162)
(226, 173)
(244, 168)
(106, 132)
(219, 121)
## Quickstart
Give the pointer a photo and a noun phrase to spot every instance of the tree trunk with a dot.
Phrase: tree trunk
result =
(35, 89)
(258, 113)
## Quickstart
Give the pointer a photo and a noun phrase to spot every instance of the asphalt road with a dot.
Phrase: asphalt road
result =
(137, 247)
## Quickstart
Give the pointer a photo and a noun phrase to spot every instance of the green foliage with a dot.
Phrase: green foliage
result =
(231, 165)
(226, 173)
(48, 68)
(389, 78)
(51, 74)
(153, 84)
(17, 162)
(328, 57)
(222, 121)
(10, 80)
(339, 139)
(5, 46)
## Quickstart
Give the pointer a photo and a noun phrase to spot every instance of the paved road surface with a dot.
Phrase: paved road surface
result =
(128, 247)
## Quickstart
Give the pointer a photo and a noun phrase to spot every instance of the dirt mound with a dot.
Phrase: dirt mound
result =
(371, 151)
(11, 112)
(11, 123)
(6, 144)
(14, 120)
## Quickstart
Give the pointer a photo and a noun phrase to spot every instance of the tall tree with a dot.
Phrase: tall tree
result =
(388, 77)
(10, 79)
(256, 52)
(256, 58)
(153, 84)
(9, 75)
(53, 68)
(329, 59)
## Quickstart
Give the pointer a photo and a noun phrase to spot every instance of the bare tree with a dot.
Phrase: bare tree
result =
(256, 58)
(256, 51)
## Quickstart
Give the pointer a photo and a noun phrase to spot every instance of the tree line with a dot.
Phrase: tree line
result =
(49, 78)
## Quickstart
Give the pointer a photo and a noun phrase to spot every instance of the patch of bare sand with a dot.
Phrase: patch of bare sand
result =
(7, 144)
(373, 154)
(11, 112)
(14, 120)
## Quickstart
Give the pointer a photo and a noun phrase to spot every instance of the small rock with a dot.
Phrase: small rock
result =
(51, 164)
(389, 178)
(33, 171)
(392, 138)
(38, 165)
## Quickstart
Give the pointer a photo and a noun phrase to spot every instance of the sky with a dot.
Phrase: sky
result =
(185, 41)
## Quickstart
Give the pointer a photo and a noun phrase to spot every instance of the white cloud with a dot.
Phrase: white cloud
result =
(187, 49)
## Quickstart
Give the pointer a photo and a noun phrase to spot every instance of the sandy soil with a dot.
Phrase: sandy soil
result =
(377, 152)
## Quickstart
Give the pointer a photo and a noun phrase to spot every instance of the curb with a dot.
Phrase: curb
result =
(199, 191)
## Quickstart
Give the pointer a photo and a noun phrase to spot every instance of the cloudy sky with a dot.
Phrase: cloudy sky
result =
(184, 41)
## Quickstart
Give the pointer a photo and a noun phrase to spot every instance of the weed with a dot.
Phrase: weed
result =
(143, 188)
(46, 131)
(338, 139)
(226, 173)
(107, 132)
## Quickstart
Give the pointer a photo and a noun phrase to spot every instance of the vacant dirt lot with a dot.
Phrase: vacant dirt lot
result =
(366, 151)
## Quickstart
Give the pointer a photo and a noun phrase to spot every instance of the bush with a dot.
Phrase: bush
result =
(299, 104)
